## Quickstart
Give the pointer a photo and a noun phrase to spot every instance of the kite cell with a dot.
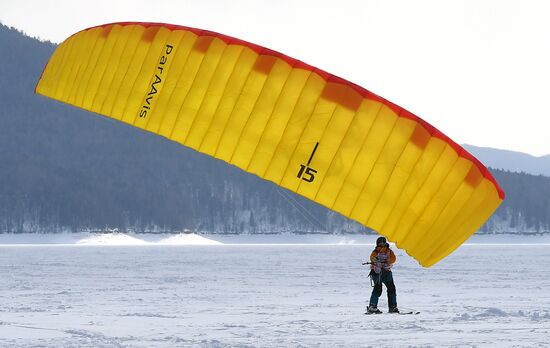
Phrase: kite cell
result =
(285, 121)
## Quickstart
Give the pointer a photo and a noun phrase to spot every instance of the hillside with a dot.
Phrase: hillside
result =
(511, 160)
(63, 170)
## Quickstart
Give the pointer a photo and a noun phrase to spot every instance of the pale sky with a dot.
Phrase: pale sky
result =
(478, 70)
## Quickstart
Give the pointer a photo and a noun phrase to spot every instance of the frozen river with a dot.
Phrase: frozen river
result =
(267, 296)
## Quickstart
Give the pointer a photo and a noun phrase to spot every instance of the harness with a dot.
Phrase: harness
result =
(382, 261)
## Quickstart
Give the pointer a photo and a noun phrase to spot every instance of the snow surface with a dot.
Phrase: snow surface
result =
(152, 294)
(120, 239)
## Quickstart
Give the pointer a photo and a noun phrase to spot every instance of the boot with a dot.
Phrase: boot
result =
(393, 310)
(372, 309)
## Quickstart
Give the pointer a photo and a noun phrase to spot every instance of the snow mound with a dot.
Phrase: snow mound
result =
(107, 238)
(346, 241)
(188, 239)
(492, 312)
(111, 239)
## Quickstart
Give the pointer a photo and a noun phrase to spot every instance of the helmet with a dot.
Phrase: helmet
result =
(381, 240)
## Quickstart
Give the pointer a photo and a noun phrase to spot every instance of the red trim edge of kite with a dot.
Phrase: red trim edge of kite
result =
(329, 78)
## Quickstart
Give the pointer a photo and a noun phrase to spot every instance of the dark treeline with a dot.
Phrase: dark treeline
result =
(527, 204)
(64, 170)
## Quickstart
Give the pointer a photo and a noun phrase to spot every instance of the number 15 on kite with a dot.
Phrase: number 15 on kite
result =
(307, 173)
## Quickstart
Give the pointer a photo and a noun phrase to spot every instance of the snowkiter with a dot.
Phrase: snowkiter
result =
(381, 259)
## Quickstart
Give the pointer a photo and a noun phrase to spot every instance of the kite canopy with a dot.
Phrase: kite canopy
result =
(300, 127)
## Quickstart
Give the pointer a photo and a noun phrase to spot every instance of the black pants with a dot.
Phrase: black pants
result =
(386, 278)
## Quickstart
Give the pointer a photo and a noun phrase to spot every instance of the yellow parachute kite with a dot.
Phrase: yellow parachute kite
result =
(274, 116)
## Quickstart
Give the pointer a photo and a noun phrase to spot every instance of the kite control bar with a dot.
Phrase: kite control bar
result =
(373, 263)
